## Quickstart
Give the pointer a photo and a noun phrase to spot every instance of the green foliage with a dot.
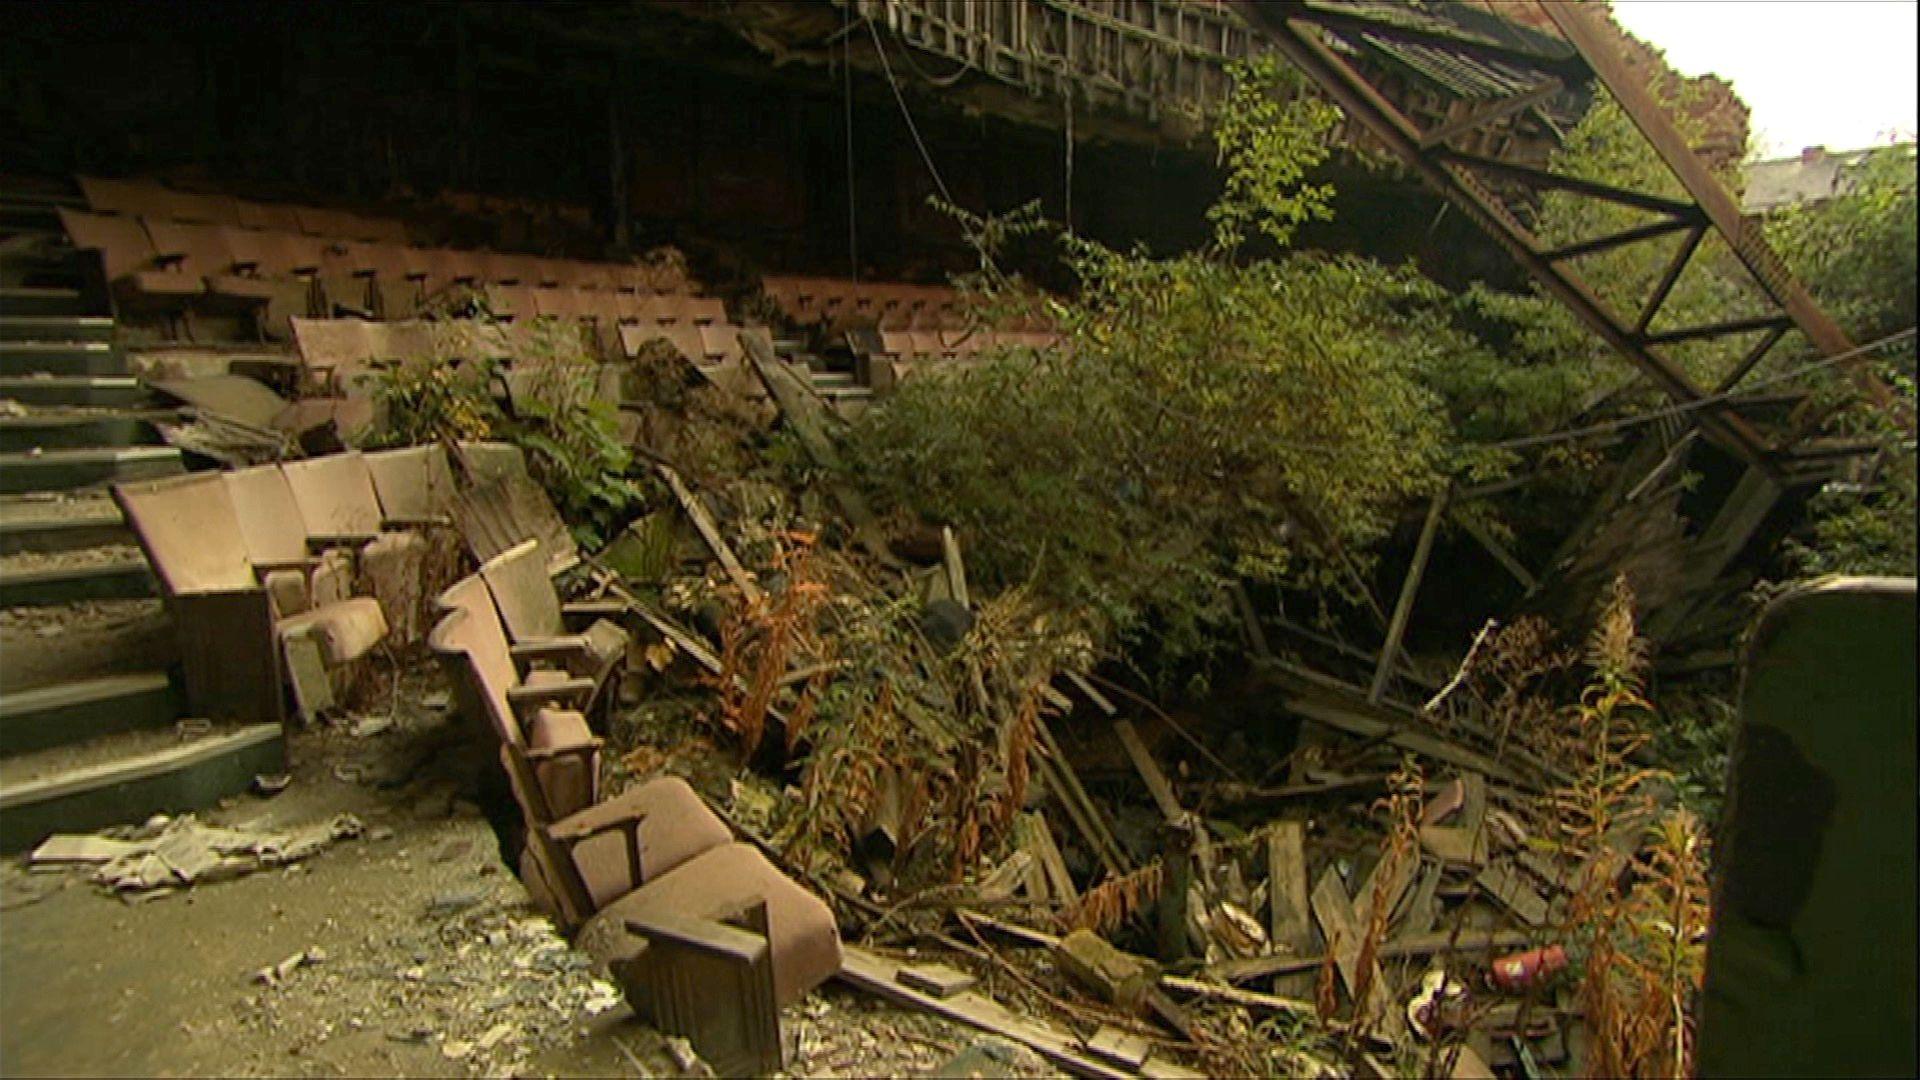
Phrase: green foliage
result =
(1270, 134)
(1552, 367)
(1206, 417)
(441, 399)
(1856, 253)
(550, 408)
(571, 432)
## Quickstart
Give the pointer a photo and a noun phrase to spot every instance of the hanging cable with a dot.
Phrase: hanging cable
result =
(1606, 426)
(853, 219)
(912, 128)
(1069, 99)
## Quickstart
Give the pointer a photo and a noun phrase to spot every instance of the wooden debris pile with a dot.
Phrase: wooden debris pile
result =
(1393, 890)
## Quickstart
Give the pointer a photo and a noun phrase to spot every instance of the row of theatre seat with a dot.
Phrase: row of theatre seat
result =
(957, 344)
(153, 263)
(299, 569)
(808, 301)
(150, 198)
(706, 937)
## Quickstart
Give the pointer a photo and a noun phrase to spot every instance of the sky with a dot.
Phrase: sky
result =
(1833, 73)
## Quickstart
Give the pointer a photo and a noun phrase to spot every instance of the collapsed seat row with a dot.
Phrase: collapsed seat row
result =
(705, 936)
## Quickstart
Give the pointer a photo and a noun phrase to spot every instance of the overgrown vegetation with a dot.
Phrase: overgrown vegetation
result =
(533, 384)
(1211, 415)
(1856, 254)
(1638, 925)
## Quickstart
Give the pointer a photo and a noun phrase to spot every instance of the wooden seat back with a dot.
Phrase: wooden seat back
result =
(190, 533)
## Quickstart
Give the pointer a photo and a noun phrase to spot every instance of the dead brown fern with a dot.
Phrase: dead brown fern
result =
(1107, 906)
(761, 638)
(1401, 808)
(1643, 941)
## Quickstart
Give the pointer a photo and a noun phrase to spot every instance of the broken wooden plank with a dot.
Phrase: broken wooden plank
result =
(1233, 995)
(1149, 770)
(1373, 1005)
(1504, 884)
(956, 570)
(1409, 588)
(1423, 907)
(1249, 620)
(939, 980)
(1354, 722)
(709, 532)
(1055, 698)
(1259, 967)
(868, 971)
(1385, 885)
(1122, 1048)
(1507, 560)
(1289, 916)
(1037, 837)
(1099, 699)
(1072, 793)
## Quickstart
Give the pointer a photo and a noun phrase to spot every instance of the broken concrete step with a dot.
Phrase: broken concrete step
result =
(41, 300)
(49, 431)
(122, 580)
(63, 470)
(96, 524)
(19, 215)
(55, 328)
(49, 645)
(61, 358)
(107, 390)
(77, 712)
(127, 779)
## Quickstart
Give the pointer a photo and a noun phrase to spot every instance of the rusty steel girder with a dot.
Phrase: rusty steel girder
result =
(1321, 37)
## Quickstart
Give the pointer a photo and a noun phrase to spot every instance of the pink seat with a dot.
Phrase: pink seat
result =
(716, 885)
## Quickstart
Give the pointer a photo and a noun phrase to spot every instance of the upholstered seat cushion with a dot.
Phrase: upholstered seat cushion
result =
(676, 826)
(717, 885)
(567, 782)
(347, 629)
(163, 283)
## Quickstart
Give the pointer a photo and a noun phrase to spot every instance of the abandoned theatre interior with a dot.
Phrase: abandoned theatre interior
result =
(953, 537)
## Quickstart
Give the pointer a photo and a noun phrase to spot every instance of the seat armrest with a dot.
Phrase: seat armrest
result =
(551, 753)
(566, 691)
(627, 822)
(306, 563)
(594, 609)
(426, 521)
(544, 648)
(338, 540)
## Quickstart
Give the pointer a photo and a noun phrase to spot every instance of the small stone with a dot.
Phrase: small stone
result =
(455, 902)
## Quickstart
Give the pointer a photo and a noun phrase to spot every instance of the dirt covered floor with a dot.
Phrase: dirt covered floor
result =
(418, 953)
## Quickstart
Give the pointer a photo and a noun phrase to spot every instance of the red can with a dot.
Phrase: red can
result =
(1523, 971)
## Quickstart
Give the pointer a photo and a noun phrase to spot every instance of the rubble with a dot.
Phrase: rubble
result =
(178, 852)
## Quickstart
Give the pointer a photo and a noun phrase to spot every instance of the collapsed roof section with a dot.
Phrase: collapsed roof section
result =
(1147, 71)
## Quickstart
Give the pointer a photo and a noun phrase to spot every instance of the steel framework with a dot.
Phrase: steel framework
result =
(1324, 39)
